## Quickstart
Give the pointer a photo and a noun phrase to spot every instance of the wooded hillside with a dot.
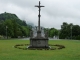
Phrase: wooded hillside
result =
(13, 26)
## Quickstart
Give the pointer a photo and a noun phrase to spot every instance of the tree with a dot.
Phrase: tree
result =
(2, 29)
(69, 31)
(53, 32)
(16, 27)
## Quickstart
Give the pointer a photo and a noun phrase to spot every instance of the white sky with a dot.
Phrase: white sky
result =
(53, 14)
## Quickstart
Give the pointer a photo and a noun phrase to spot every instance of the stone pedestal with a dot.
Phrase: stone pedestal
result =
(38, 43)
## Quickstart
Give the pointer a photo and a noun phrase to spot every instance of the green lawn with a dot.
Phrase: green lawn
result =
(8, 52)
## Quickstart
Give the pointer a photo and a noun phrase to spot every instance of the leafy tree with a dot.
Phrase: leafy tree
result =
(53, 32)
(16, 27)
(2, 29)
(68, 30)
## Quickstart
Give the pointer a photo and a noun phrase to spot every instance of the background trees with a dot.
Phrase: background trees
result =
(52, 32)
(16, 27)
(19, 28)
(69, 31)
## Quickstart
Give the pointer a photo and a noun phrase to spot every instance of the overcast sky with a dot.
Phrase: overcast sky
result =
(53, 14)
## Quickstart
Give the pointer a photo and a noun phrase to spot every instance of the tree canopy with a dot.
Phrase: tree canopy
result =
(15, 26)
(69, 31)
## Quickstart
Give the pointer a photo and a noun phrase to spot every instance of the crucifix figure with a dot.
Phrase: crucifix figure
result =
(39, 15)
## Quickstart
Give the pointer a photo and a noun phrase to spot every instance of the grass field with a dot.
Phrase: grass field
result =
(8, 52)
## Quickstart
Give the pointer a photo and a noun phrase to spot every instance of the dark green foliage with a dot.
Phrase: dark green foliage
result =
(16, 27)
(52, 32)
(66, 29)
(2, 28)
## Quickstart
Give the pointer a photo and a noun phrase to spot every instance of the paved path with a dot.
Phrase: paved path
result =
(29, 38)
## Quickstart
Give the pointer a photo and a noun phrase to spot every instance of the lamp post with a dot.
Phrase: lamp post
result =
(71, 32)
(6, 33)
(58, 34)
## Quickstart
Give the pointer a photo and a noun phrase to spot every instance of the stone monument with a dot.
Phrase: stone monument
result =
(39, 41)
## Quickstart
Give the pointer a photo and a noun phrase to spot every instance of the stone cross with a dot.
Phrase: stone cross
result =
(39, 15)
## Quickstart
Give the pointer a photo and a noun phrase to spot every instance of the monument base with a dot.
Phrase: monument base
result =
(38, 43)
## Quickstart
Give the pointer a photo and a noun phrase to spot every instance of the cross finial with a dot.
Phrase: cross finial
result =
(39, 6)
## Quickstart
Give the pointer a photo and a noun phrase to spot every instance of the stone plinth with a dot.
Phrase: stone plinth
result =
(38, 43)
